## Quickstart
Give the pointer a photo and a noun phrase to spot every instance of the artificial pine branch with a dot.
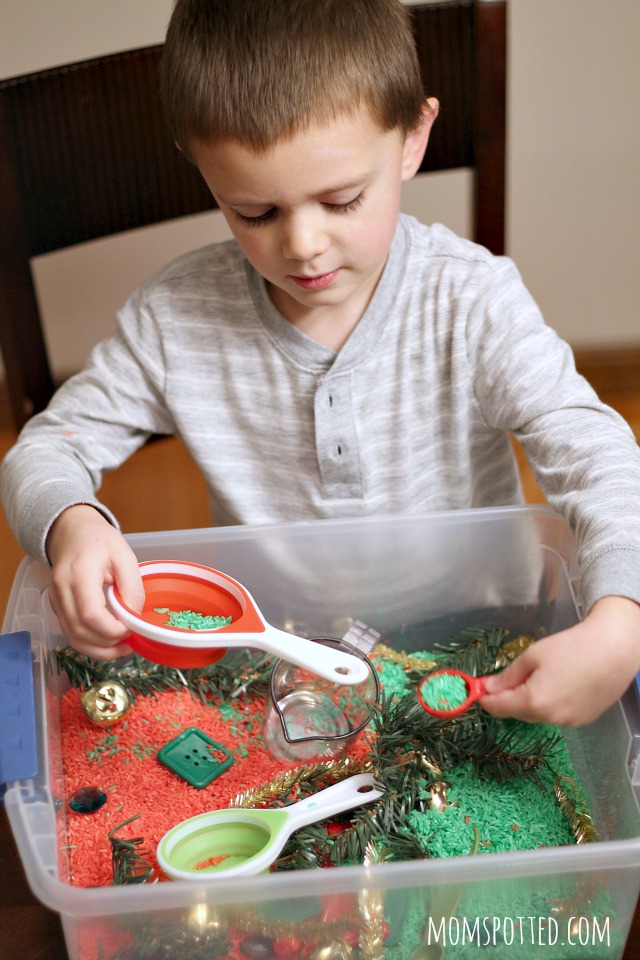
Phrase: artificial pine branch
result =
(306, 848)
(246, 674)
(511, 751)
(474, 650)
(350, 845)
(384, 824)
(375, 826)
(403, 731)
(496, 748)
(129, 859)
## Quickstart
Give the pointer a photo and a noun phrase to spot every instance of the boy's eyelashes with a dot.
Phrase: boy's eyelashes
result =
(255, 221)
(272, 212)
(347, 207)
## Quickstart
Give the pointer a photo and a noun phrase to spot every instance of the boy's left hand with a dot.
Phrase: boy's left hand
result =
(570, 678)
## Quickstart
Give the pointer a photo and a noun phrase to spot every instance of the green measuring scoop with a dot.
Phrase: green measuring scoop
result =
(237, 842)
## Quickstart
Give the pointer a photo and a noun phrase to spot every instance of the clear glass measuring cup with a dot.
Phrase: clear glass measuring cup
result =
(307, 716)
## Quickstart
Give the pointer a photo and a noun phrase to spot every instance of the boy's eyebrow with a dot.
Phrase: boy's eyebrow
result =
(337, 188)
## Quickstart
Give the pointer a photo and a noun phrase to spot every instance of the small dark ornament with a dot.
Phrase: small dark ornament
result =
(88, 800)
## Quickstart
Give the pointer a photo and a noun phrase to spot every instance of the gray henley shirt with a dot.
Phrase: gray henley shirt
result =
(410, 416)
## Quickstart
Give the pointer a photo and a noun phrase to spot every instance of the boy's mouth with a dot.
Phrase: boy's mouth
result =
(318, 282)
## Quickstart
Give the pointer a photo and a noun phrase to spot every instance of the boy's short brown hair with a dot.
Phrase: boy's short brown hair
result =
(260, 70)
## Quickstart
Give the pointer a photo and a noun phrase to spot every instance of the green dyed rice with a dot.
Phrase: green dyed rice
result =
(445, 691)
(515, 815)
(188, 620)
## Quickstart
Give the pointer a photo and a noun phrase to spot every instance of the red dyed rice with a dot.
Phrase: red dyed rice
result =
(122, 760)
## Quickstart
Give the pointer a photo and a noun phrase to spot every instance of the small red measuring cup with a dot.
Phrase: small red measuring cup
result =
(475, 689)
(180, 585)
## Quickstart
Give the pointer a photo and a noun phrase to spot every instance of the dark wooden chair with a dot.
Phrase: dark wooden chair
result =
(84, 153)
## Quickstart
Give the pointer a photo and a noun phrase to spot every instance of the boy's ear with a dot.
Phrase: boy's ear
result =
(185, 153)
(417, 139)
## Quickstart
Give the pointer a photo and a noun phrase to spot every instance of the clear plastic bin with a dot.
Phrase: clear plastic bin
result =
(417, 580)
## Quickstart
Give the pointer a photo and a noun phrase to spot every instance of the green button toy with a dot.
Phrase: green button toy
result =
(195, 757)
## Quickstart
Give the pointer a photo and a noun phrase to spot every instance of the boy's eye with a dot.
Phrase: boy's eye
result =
(347, 207)
(255, 221)
(271, 213)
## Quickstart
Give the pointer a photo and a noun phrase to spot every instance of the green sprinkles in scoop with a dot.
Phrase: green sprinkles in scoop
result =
(188, 620)
(445, 691)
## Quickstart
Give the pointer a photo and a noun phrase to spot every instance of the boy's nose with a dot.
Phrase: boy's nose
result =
(303, 237)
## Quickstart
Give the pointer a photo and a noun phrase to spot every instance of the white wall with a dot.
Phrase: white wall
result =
(574, 156)
(574, 159)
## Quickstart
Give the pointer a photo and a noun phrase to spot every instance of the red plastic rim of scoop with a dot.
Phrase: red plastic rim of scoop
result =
(183, 585)
(475, 689)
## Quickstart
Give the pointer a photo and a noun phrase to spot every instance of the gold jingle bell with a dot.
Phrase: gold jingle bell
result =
(105, 703)
(337, 949)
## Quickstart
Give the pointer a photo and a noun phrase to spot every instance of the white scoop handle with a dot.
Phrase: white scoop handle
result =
(342, 796)
(334, 665)
(337, 798)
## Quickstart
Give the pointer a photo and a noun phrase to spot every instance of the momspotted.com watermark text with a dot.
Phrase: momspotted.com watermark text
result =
(578, 931)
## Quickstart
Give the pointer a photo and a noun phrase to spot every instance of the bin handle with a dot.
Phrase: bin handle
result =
(18, 751)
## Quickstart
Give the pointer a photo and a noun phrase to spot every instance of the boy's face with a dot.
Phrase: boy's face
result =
(315, 215)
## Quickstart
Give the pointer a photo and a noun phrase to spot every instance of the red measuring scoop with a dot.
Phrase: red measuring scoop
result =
(475, 689)
(178, 585)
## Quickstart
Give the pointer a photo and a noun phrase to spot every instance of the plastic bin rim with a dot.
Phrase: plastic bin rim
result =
(247, 530)
(457, 516)
(100, 901)
(251, 531)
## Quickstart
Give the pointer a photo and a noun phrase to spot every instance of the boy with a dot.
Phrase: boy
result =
(337, 359)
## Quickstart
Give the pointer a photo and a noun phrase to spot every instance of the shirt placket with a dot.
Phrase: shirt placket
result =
(337, 439)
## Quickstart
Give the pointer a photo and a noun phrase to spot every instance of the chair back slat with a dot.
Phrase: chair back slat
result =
(444, 35)
(95, 154)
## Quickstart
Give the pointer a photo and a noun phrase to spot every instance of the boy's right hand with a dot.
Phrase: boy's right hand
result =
(86, 553)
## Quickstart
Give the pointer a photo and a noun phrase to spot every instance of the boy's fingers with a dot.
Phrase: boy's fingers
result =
(512, 676)
(509, 695)
(129, 583)
(98, 651)
(84, 618)
(509, 703)
(91, 622)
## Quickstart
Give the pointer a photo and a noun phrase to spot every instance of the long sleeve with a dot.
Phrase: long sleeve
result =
(95, 422)
(412, 415)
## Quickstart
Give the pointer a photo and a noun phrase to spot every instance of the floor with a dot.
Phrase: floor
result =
(161, 489)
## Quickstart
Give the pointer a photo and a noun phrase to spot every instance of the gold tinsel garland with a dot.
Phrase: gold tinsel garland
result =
(579, 820)
(404, 660)
(512, 649)
(284, 782)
